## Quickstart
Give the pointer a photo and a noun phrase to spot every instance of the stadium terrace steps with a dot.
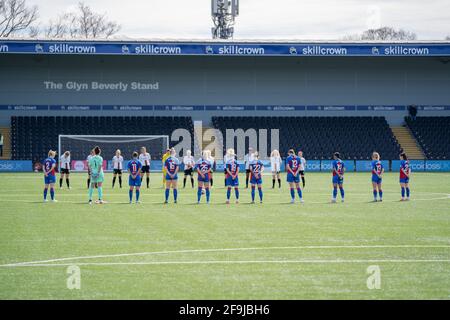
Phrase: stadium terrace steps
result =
(408, 142)
(6, 134)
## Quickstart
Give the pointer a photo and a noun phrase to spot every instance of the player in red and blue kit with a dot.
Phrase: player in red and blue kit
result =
(134, 180)
(338, 176)
(203, 167)
(50, 175)
(232, 178)
(293, 175)
(172, 166)
(405, 172)
(377, 176)
(256, 169)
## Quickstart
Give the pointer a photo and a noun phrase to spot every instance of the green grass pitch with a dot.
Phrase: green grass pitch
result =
(275, 250)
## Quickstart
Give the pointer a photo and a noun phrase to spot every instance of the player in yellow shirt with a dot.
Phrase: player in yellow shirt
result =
(164, 158)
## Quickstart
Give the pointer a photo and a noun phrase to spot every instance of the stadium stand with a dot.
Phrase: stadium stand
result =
(354, 137)
(433, 135)
(32, 137)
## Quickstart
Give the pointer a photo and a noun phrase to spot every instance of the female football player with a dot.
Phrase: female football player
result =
(203, 167)
(172, 166)
(189, 164)
(256, 169)
(293, 175)
(145, 159)
(405, 172)
(65, 169)
(338, 176)
(117, 166)
(134, 179)
(377, 176)
(275, 163)
(50, 175)
(232, 177)
(97, 176)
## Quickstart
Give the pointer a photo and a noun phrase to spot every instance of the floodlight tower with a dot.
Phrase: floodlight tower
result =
(223, 13)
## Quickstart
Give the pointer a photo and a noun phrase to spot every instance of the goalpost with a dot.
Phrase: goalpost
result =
(80, 147)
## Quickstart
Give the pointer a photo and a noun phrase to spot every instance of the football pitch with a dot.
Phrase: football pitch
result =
(275, 250)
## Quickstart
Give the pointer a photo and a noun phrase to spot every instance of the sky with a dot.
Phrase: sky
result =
(266, 19)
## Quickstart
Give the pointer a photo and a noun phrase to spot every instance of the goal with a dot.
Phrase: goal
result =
(80, 146)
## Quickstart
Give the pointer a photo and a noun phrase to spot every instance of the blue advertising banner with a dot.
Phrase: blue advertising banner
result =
(366, 165)
(127, 108)
(331, 108)
(437, 165)
(280, 108)
(23, 107)
(223, 49)
(230, 108)
(313, 165)
(15, 166)
(76, 108)
(381, 108)
(415, 165)
(327, 165)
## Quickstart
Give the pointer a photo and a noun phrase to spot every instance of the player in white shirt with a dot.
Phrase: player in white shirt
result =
(302, 167)
(189, 163)
(229, 155)
(248, 158)
(275, 164)
(89, 157)
(64, 166)
(118, 167)
(145, 159)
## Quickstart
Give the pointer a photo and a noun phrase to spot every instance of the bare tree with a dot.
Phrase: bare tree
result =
(384, 34)
(16, 16)
(84, 23)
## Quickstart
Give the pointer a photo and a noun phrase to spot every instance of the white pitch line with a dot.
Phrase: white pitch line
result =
(234, 262)
(224, 250)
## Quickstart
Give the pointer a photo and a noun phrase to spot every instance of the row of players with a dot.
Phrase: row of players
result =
(189, 164)
(204, 166)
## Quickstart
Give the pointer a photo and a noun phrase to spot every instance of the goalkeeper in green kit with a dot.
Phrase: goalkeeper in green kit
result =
(97, 176)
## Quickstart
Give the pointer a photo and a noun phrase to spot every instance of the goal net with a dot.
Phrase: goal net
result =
(80, 147)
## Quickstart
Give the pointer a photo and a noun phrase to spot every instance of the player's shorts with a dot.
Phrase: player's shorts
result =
(302, 173)
(232, 182)
(254, 180)
(97, 178)
(293, 179)
(377, 179)
(338, 180)
(49, 179)
(205, 179)
(169, 178)
(65, 171)
(117, 171)
(145, 169)
(404, 180)
(134, 182)
(188, 172)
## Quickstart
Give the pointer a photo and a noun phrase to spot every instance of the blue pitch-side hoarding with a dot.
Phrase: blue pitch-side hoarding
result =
(366, 165)
(223, 49)
(185, 108)
(15, 166)
(415, 165)
(327, 165)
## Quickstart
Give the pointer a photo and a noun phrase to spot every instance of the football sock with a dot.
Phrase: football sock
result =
(52, 193)
(100, 193)
(375, 194)
(88, 183)
(342, 192)
(45, 193)
(192, 182)
(148, 181)
(407, 192)
(299, 192)
(184, 182)
(253, 193)
(273, 183)
(211, 181)
(130, 193)
(138, 193)
(381, 194)
(114, 181)
(236, 192)
(292, 193)
(303, 181)
(120, 181)
(207, 194)
(175, 194)
(60, 182)
(279, 183)
(334, 192)
(228, 193)
(260, 193)
(403, 192)
(199, 194)
(167, 194)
